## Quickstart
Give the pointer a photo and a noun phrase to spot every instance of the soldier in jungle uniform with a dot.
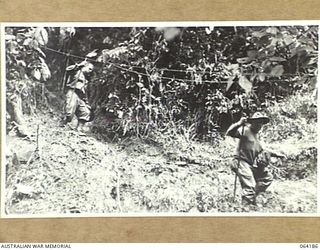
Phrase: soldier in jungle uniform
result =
(14, 109)
(76, 95)
(251, 158)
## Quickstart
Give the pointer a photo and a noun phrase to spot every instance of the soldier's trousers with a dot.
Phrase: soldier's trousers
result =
(253, 180)
(76, 106)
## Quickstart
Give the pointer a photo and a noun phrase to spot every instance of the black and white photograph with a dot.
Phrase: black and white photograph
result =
(159, 119)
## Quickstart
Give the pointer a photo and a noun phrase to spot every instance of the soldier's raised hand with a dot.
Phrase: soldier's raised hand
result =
(243, 121)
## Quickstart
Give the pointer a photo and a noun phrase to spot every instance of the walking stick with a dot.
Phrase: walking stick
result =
(235, 185)
(236, 173)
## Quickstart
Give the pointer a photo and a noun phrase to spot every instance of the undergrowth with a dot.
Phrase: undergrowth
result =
(170, 172)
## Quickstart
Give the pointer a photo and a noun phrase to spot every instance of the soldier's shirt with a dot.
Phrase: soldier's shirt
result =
(78, 81)
(248, 146)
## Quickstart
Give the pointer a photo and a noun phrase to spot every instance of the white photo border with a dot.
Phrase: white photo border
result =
(146, 24)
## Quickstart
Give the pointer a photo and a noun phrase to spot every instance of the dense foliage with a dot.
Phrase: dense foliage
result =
(172, 86)
(195, 80)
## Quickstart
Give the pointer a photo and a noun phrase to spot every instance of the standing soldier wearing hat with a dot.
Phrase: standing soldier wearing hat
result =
(76, 95)
(250, 159)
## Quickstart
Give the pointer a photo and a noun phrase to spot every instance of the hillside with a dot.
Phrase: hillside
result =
(76, 173)
(158, 102)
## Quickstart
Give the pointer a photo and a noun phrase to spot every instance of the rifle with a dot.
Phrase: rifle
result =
(236, 174)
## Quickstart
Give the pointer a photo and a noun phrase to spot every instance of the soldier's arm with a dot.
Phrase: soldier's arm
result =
(276, 154)
(272, 152)
(233, 129)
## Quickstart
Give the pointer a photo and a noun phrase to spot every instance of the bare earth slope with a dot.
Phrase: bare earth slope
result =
(72, 173)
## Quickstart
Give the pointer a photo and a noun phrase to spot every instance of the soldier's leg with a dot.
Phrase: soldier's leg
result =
(247, 181)
(70, 105)
(263, 179)
(14, 108)
(83, 113)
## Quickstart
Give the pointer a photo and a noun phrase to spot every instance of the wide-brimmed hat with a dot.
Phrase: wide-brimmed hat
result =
(259, 117)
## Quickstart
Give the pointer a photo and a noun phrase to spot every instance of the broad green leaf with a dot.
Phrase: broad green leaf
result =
(277, 59)
(272, 30)
(299, 51)
(265, 64)
(277, 71)
(197, 79)
(27, 41)
(67, 31)
(41, 52)
(245, 84)
(154, 77)
(114, 53)
(36, 74)
(230, 83)
(309, 49)
(45, 71)
(271, 50)
(9, 37)
(145, 90)
(169, 33)
(209, 29)
(41, 36)
(313, 60)
(92, 54)
(140, 85)
(21, 63)
(313, 81)
(253, 76)
(252, 54)
(288, 39)
(244, 60)
(275, 41)
(262, 77)
(107, 40)
(263, 40)
(232, 67)
(258, 34)
(71, 67)
(112, 95)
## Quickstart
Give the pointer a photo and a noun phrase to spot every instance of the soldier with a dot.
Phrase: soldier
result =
(251, 159)
(76, 95)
